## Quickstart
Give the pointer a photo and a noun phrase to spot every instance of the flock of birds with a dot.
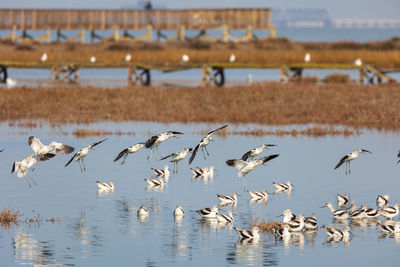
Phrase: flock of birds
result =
(248, 162)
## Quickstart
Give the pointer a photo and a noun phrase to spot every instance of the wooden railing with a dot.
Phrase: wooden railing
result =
(198, 19)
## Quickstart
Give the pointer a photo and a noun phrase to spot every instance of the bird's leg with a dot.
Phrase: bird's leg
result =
(208, 154)
(80, 165)
(349, 167)
(124, 159)
(245, 183)
(28, 182)
(158, 152)
(202, 150)
(31, 179)
(83, 164)
(149, 156)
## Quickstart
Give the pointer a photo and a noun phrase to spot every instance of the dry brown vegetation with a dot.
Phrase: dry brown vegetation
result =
(81, 133)
(384, 54)
(310, 131)
(265, 226)
(337, 78)
(352, 105)
(8, 217)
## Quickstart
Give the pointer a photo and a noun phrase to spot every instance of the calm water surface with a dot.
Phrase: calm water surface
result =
(100, 229)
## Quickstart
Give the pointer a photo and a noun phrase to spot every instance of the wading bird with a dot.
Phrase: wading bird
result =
(176, 157)
(81, 154)
(225, 218)
(339, 214)
(161, 172)
(132, 149)
(228, 199)
(209, 212)
(338, 233)
(342, 199)
(307, 57)
(43, 58)
(310, 223)
(349, 157)
(128, 58)
(255, 152)
(258, 195)
(232, 58)
(105, 186)
(93, 59)
(142, 211)
(178, 212)
(155, 140)
(47, 151)
(247, 234)
(204, 142)
(382, 201)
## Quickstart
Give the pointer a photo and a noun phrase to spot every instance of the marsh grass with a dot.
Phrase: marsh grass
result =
(9, 217)
(337, 78)
(349, 105)
(82, 133)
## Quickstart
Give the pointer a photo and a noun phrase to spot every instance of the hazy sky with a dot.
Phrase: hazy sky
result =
(335, 8)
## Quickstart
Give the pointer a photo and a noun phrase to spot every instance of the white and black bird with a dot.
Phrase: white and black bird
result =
(143, 212)
(310, 223)
(249, 234)
(283, 231)
(382, 201)
(245, 167)
(297, 224)
(281, 187)
(22, 167)
(179, 212)
(228, 199)
(389, 226)
(155, 182)
(81, 154)
(339, 214)
(49, 150)
(176, 157)
(161, 172)
(106, 186)
(287, 216)
(132, 149)
(255, 152)
(349, 157)
(258, 195)
(342, 199)
(209, 212)
(333, 232)
(204, 142)
(225, 218)
(389, 212)
(154, 141)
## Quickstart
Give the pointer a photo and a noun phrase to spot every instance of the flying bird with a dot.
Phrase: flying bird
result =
(245, 167)
(48, 151)
(349, 157)
(176, 157)
(22, 167)
(255, 152)
(132, 149)
(81, 154)
(154, 141)
(204, 142)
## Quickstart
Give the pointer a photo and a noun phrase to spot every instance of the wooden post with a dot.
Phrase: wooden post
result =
(181, 33)
(361, 78)
(149, 33)
(130, 73)
(13, 35)
(82, 35)
(57, 75)
(225, 33)
(116, 33)
(272, 32)
(204, 75)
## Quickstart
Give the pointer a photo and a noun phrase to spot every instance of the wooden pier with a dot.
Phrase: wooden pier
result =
(93, 20)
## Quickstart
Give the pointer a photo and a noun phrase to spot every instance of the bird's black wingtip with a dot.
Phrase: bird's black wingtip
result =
(230, 162)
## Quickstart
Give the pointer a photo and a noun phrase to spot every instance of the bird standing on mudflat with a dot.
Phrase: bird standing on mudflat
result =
(81, 154)
(204, 142)
(349, 157)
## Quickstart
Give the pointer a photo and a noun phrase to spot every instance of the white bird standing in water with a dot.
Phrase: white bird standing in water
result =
(128, 58)
(105, 186)
(349, 157)
(161, 172)
(307, 57)
(176, 157)
(247, 234)
(47, 151)
(179, 212)
(43, 58)
(132, 149)
(342, 199)
(382, 201)
(185, 58)
(338, 233)
(154, 141)
(81, 154)
(204, 142)
(209, 212)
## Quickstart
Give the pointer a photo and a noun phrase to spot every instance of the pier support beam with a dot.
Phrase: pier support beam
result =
(372, 74)
(213, 75)
(291, 73)
(67, 72)
(142, 75)
(3, 74)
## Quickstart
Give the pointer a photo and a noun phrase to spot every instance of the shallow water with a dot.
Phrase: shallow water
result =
(111, 78)
(100, 229)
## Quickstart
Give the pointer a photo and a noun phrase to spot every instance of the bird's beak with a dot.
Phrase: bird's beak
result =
(279, 216)
(366, 151)
(323, 206)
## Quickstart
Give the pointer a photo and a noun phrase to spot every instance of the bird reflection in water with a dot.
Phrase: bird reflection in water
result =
(248, 252)
(337, 239)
